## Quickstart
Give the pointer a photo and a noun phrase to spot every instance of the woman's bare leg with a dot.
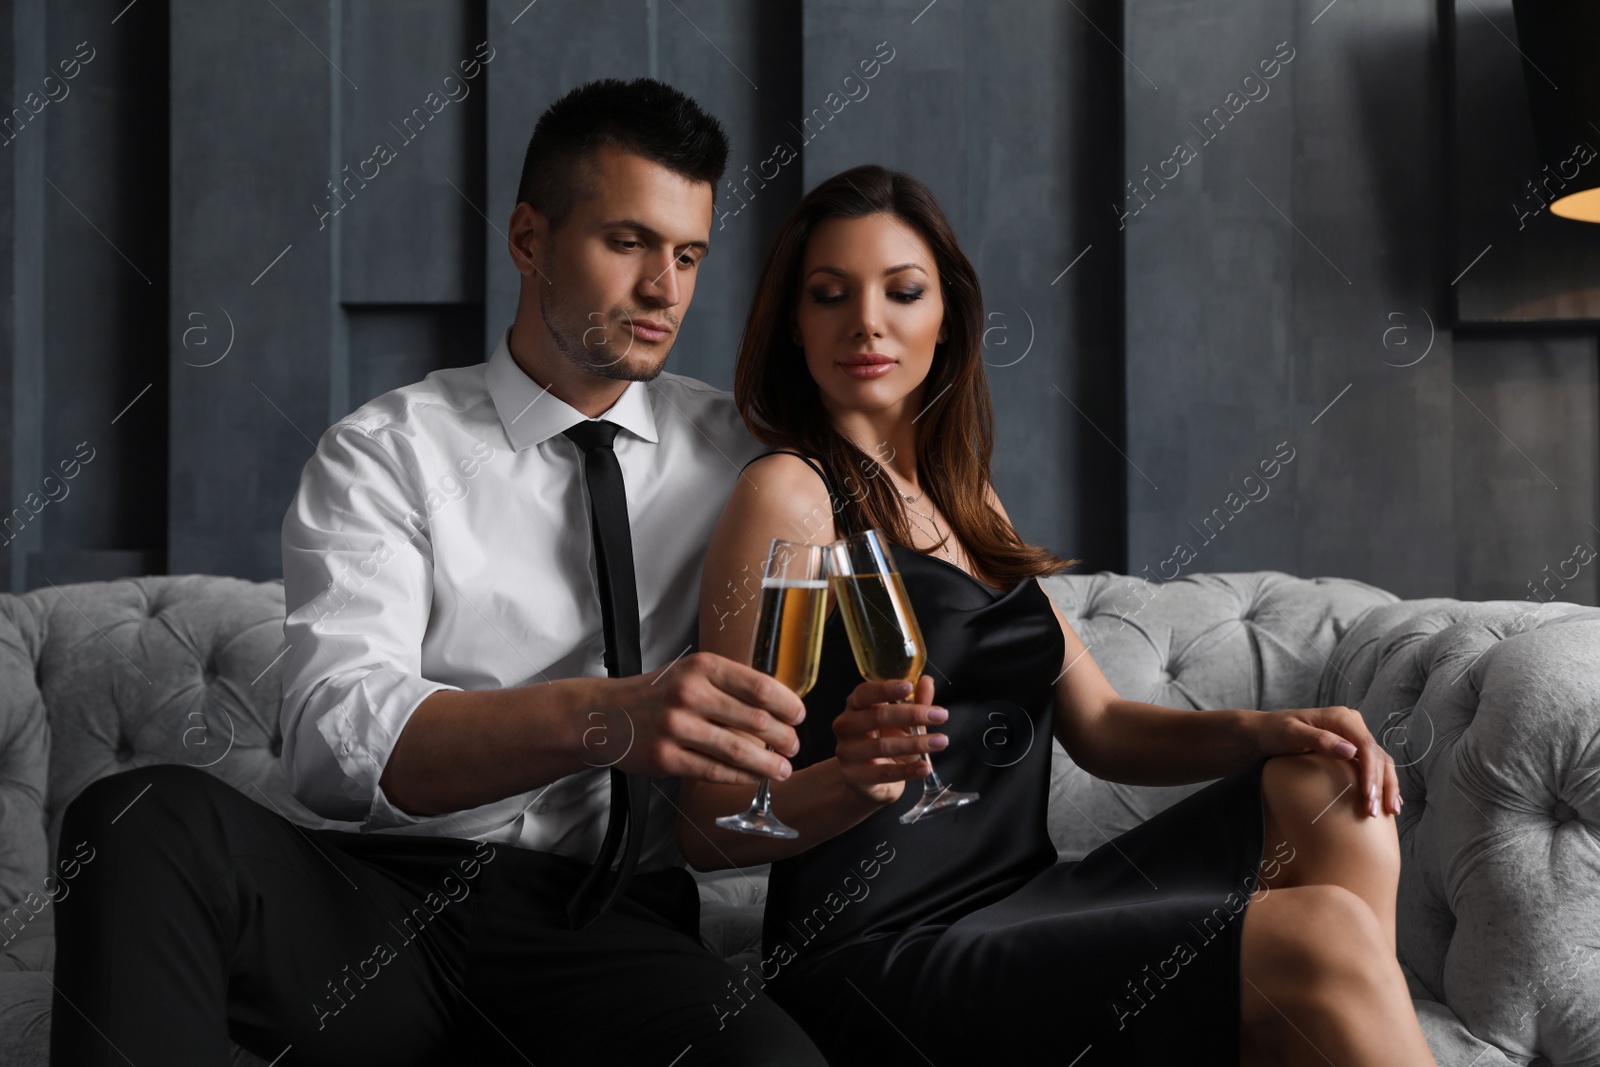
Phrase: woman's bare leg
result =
(1318, 971)
(1318, 834)
(1319, 985)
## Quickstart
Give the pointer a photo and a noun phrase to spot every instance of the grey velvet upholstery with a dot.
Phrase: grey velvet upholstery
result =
(1490, 710)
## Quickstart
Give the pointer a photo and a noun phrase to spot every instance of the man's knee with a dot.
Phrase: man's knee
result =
(180, 792)
(760, 1035)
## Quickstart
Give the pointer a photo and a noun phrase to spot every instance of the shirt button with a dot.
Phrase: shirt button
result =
(543, 807)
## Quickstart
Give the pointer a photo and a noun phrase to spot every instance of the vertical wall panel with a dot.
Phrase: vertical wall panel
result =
(88, 294)
(410, 231)
(106, 300)
(393, 344)
(540, 52)
(1211, 267)
(254, 140)
(742, 63)
(22, 312)
(1375, 488)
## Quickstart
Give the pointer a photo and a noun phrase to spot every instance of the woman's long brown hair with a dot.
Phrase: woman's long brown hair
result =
(782, 404)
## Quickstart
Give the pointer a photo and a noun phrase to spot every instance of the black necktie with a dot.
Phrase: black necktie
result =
(619, 613)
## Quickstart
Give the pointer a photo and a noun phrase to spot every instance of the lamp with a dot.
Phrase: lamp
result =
(1558, 40)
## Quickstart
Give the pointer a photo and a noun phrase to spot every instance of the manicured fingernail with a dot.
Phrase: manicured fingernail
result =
(938, 741)
(938, 714)
(902, 689)
(1372, 794)
(783, 772)
(1345, 749)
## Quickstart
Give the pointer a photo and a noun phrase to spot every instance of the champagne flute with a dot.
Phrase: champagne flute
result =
(886, 640)
(787, 644)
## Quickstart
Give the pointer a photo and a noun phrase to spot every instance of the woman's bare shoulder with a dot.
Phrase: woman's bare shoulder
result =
(782, 492)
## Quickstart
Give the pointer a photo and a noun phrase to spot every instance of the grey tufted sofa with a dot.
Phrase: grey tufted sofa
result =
(1491, 710)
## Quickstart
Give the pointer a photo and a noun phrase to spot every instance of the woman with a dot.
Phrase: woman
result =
(960, 938)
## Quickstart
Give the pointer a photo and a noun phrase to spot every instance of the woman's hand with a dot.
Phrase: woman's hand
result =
(1339, 732)
(877, 753)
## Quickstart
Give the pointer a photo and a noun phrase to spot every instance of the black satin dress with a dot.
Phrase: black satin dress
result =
(960, 939)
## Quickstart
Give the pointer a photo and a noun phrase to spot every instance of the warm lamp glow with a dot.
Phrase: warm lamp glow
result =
(1584, 206)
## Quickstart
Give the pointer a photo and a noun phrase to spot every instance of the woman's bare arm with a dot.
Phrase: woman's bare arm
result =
(1136, 743)
(777, 496)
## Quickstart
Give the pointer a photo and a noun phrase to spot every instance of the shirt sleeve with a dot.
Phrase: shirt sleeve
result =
(357, 588)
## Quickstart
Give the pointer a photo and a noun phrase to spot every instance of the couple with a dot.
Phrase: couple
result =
(494, 582)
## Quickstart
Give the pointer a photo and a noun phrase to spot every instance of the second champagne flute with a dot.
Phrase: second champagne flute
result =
(885, 639)
(787, 644)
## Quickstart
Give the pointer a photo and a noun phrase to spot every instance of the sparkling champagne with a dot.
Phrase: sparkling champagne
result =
(787, 644)
(788, 637)
(884, 636)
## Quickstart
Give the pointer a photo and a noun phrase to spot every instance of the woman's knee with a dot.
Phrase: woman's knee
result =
(1309, 793)
(1311, 772)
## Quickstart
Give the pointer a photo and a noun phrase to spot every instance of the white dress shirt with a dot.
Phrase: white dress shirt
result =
(440, 539)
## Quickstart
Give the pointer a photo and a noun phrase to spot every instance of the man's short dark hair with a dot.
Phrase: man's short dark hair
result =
(645, 117)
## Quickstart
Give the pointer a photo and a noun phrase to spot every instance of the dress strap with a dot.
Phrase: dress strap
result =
(841, 515)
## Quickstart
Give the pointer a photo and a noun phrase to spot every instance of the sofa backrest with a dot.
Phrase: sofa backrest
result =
(1254, 639)
(100, 677)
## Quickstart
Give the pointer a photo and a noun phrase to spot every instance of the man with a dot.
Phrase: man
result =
(478, 674)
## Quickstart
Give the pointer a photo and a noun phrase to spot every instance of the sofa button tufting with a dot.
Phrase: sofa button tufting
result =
(1563, 812)
(124, 753)
(277, 746)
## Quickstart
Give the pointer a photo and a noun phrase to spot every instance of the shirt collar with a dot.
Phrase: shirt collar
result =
(532, 414)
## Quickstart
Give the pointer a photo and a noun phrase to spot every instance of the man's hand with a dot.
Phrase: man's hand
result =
(876, 750)
(703, 716)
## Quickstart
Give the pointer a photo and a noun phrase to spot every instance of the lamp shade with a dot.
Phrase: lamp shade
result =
(1560, 41)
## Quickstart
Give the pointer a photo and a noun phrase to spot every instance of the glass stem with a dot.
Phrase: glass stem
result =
(763, 801)
(933, 773)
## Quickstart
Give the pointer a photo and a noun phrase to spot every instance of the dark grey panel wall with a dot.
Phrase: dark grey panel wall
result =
(1526, 454)
(190, 298)
(89, 294)
(1290, 284)
(1211, 271)
(1003, 110)
(739, 60)
(253, 145)
(743, 61)
(411, 233)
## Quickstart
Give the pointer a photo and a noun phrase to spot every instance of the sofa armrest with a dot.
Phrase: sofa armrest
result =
(1491, 711)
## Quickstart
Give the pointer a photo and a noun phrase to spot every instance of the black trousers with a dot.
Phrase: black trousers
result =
(201, 915)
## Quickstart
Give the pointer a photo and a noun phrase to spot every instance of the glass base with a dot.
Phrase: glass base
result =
(937, 800)
(758, 823)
